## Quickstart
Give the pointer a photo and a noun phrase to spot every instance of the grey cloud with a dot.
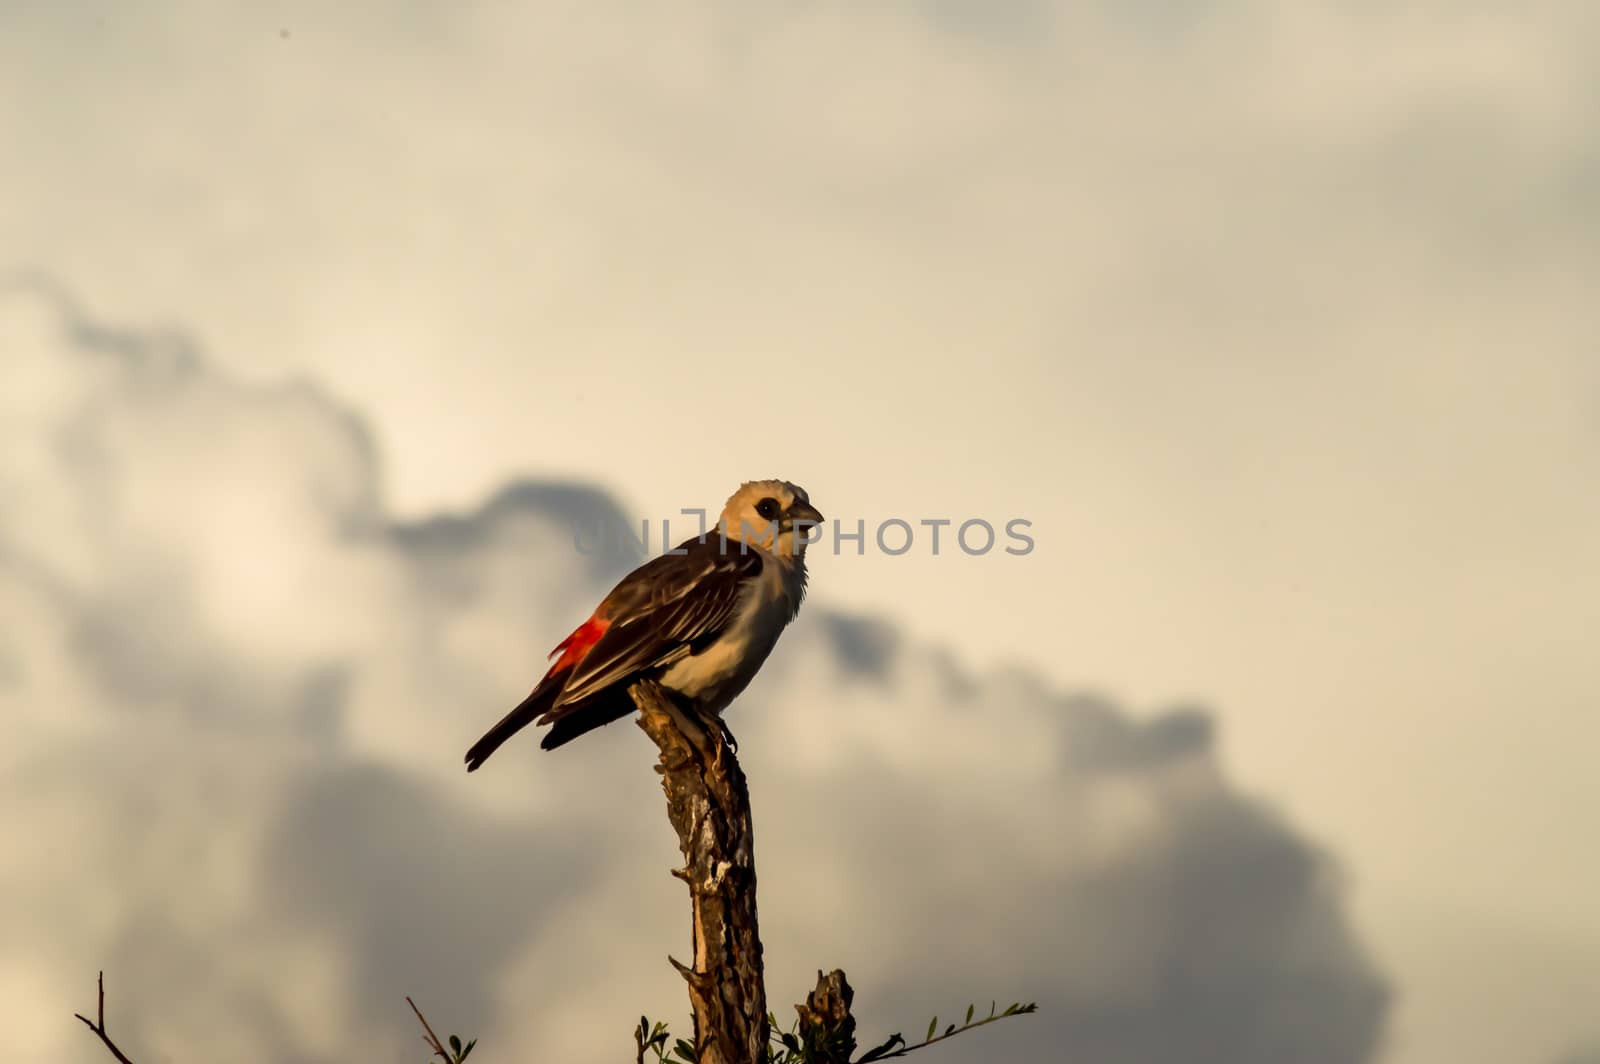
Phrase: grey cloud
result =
(1220, 938)
(585, 508)
(1101, 737)
(247, 765)
(864, 647)
(424, 896)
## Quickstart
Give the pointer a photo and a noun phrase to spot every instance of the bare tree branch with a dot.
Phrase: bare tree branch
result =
(100, 1028)
(430, 1038)
(708, 803)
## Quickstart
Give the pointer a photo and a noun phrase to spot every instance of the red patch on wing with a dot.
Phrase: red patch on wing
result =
(575, 646)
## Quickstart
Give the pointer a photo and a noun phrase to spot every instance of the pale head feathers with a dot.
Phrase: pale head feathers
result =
(774, 515)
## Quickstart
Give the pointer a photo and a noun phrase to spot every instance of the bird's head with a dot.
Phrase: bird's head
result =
(775, 515)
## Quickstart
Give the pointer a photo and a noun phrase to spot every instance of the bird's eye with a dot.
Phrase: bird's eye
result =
(768, 509)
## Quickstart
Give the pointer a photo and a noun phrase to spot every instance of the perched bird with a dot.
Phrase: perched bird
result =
(700, 620)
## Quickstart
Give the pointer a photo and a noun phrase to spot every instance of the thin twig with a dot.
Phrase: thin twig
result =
(431, 1039)
(100, 1028)
(993, 1017)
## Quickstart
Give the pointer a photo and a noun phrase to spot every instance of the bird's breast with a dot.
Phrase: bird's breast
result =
(721, 670)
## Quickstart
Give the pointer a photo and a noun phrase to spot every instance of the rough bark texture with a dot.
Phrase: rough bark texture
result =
(709, 806)
(827, 1029)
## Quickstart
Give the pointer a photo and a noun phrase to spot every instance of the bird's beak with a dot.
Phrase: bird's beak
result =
(801, 511)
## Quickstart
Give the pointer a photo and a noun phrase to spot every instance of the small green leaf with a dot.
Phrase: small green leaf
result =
(932, 1024)
(969, 1014)
(455, 1044)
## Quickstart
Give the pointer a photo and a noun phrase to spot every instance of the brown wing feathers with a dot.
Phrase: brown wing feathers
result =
(669, 607)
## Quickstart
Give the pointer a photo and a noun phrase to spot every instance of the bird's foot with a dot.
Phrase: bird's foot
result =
(722, 738)
(726, 734)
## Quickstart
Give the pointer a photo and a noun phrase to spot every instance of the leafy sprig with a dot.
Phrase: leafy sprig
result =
(456, 1054)
(786, 1046)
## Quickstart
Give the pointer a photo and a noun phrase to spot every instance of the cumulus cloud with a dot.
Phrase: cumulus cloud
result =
(237, 691)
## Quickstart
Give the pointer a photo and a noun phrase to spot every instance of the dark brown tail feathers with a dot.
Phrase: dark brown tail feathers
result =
(531, 708)
(570, 721)
(611, 704)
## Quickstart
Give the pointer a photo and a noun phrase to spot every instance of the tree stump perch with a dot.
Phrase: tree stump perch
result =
(708, 803)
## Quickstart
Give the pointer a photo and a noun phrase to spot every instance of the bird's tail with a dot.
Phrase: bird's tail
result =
(530, 709)
(572, 721)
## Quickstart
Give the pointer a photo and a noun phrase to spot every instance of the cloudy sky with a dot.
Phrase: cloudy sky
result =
(321, 326)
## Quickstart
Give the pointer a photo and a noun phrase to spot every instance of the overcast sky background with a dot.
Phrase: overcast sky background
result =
(1274, 319)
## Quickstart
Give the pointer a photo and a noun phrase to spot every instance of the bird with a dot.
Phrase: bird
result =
(699, 620)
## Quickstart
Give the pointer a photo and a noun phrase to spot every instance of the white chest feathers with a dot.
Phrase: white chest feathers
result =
(720, 672)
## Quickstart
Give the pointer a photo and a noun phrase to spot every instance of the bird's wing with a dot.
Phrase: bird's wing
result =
(665, 609)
